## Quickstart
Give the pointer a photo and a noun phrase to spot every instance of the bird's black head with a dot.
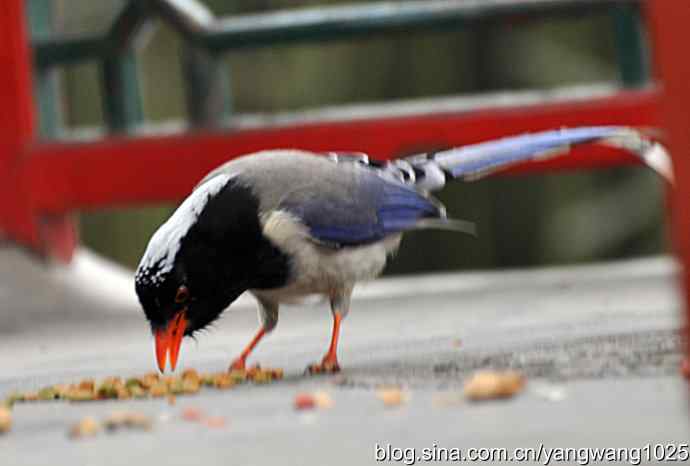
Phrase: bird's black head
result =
(203, 258)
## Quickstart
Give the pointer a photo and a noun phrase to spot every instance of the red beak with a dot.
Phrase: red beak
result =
(169, 339)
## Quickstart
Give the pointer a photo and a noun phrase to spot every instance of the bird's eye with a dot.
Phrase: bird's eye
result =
(182, 295)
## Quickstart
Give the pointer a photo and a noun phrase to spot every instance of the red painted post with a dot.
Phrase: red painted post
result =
(54, 235)
(669, 23)
(16, 121)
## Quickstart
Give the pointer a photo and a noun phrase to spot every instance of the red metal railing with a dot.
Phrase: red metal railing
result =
(42, 182)
(67, 176)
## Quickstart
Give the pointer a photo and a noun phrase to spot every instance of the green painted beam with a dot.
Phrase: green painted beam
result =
(208, 95)
(122, 100)
(207, 87)
(50, 121)
(128, 25)
(64, 50)
(631, 47)
(121, 96)
(316, 24)
(340, 22)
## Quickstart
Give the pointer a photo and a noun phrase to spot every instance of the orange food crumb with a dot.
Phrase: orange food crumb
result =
(304, 401)
(323, 400)
(488, 385)
(5, 420)
(391, 396)
(87, 427)
(215, 422)
(192, 414)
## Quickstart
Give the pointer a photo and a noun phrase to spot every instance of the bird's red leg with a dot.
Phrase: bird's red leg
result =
(329, 363)
(240, 362)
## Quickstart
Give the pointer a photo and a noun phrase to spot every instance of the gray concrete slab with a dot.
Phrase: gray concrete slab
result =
(598, 343)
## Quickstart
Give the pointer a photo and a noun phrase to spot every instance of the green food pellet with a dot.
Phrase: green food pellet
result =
(137, 392)
(47, 393)
(132, 382)
(12, 398)
(238, 376)
(79, 395)
(107, 391)
(176, 387)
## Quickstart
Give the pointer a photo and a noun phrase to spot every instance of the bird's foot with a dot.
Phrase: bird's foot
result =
(327, 366)
(239, 364)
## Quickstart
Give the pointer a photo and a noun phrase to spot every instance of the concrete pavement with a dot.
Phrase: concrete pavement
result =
(598, 343)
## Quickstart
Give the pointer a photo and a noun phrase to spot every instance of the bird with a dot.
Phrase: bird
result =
(286, 224)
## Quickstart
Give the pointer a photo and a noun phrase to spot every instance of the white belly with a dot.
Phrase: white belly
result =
(318, 269)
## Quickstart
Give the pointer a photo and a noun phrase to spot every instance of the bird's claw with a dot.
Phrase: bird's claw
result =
(326, 367)
(238, 364)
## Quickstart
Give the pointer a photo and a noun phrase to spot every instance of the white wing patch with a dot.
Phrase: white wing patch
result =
(162, 249)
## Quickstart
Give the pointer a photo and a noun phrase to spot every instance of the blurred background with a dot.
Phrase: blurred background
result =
(522, 220)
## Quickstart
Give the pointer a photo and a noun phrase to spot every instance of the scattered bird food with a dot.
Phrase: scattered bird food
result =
(192, 414)
(323, 400)
(319, 399)
(392, 396)
(5, 419)
(128, 420)
(147, 386)
(214, 422)
(87, 427)
(304, 401)
(488, 385)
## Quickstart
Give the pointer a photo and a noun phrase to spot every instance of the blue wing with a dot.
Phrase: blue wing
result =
(375, 208)
(352, 211)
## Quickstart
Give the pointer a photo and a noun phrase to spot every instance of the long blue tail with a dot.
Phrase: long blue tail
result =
(429, 172)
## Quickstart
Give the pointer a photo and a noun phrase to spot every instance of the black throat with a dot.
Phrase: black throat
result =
(225, 252)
